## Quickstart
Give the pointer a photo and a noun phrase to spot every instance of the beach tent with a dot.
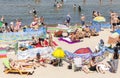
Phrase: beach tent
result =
(84, 52)
(58, 53)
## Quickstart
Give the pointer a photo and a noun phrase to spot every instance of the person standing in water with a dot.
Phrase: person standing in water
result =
(68, 19)
(34, 12)
(100, 2)
(62, 0)
(111, 1)
(82, 20)
(79, 8)
(84, 1)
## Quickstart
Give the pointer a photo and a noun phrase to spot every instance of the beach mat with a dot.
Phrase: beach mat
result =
(68, 40)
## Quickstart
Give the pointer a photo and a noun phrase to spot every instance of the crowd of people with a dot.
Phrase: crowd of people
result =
(18, 26)
(38, 42)
(78, 62)
(94, 65)
(58, 4)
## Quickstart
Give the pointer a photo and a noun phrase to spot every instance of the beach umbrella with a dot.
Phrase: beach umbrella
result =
(58, 53)
(99, 19)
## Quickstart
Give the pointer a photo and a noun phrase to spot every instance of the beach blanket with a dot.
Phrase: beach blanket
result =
(68, 40)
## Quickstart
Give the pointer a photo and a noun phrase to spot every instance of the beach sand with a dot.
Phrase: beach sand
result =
(63, 72)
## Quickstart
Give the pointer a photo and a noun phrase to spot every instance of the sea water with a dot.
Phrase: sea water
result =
(20, 9)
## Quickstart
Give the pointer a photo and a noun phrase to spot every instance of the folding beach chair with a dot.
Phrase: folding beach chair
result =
(9, 69)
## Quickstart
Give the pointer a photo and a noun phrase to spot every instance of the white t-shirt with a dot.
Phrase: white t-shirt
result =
(78, 61)
(103, 67)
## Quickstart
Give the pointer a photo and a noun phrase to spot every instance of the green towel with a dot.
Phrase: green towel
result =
(1, 24)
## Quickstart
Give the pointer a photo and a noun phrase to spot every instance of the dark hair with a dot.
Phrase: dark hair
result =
(38, 55)
(101, 41)
(33, 37)
(6, 24)
(93, 58)
(41, 39)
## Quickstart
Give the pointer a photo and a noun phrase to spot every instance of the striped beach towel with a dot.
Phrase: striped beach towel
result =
(3, 53)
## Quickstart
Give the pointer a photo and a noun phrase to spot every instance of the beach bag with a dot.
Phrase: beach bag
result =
(70, 66)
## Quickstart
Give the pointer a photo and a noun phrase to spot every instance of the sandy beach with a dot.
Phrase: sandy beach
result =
(63, 72)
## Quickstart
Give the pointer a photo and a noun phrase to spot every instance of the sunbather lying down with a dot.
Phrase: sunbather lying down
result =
(20, 65)
(16, 67)
(101, 67)
(39, 61)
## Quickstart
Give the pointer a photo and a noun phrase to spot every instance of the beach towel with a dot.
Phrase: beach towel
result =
(3, 53)
(68, 40)
(55, 43)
